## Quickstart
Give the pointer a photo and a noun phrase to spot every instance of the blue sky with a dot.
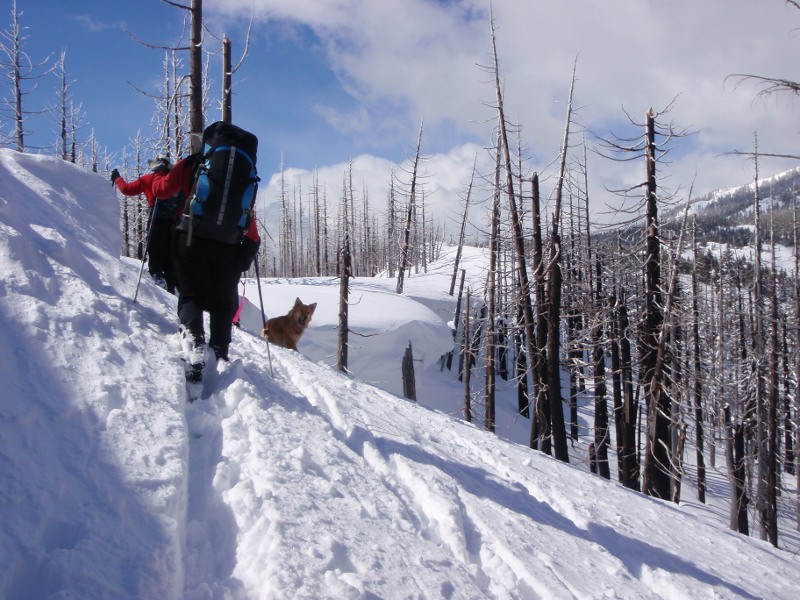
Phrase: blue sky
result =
(329, 81)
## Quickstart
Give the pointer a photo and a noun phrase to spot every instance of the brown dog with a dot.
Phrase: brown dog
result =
(285, 331)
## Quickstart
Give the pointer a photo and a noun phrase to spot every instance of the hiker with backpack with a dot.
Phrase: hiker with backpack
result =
(163, 210)
(215, 239)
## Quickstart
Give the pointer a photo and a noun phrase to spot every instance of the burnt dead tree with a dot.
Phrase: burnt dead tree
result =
(344, 289)
(652, 339)
(554, 288)
(538, 353)
(18, 69)
(491, 298)
(404, 251)
(766, 435)
(699, 419)
(463, 228)
(541, 436)
(409, 383)
(659, 409)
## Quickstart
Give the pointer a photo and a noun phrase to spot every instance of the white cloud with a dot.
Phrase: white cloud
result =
(403, 61)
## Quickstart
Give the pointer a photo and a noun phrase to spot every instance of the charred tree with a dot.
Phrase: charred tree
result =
(404, 251)
(601, 435)
(540, 440)
(543, 433)
(463, 228)
(554, 288)
(699, 419)
(18, 69)
(344, 290)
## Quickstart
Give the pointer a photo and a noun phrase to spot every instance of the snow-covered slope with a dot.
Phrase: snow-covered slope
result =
(304, 483)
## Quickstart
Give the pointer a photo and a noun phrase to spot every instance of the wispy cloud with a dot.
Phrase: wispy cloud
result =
(93, 25)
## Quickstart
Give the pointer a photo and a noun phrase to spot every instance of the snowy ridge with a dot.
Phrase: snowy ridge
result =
(310, 484)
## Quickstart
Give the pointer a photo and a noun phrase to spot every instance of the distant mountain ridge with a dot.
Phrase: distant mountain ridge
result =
(723, 212)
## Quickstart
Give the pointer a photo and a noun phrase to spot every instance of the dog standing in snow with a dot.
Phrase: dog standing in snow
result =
(287, 330)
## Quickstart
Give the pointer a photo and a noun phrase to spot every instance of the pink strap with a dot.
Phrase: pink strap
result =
(241, 305)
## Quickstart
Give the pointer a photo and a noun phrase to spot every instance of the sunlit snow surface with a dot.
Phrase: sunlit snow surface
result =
(290, 479)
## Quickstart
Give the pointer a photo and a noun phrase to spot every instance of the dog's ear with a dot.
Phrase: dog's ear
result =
(312, 307)
(297, 302)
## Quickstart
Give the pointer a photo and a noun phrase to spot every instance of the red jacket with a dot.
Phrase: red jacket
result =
(143, 185)
(181, 177)
(165, 185)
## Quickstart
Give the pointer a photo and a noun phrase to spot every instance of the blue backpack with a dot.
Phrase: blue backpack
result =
(226, 181)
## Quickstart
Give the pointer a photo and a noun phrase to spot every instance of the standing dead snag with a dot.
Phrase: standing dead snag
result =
(766, 496)
(463, 227)
(344, 289)
(466, 362)
(196, 76)
(659, 409)
(18, 69)
(407, 233)
(409, 383)
(698, 385)
(541, 418)
(657, 474)
(554, 287)
(556, 417)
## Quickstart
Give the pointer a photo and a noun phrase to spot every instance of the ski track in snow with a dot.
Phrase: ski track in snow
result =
(351, 466)
(300, 482)
(433, 499)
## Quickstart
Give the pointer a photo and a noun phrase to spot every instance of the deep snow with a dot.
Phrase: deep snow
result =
(303, 483)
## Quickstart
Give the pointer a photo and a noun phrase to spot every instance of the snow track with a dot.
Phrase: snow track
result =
(335, 489)
(311, 485)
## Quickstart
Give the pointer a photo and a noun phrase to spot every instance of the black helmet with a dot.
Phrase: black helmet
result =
(160, 163)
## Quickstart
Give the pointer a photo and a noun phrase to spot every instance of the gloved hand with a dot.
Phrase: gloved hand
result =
(114, 176)
(247, 252)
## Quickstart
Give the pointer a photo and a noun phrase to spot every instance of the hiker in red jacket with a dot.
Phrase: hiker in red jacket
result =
(208, 273)
(162, 213)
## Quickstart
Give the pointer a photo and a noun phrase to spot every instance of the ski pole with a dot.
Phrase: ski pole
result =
(263, 317)
(146, 246)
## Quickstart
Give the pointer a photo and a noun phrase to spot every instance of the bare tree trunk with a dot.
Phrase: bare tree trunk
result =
(391, 257)
(463, 228)
(616, 384)
(659, 458)
(773, 399)
(519, 243)
(456, 322)
(16, 58)
(796, 238)
(19, 69)
(491, 294)
(657, 451)
(554, 285)
(600, 401)
(227, 96)
(699, 419)
(630, 459)
(539, 424)
(407, 233)
(344, 291)
(788, 436)
(63, 97)
(409, 383)
(765, 494)
(521, 362)
(465, 354)
(196, 76)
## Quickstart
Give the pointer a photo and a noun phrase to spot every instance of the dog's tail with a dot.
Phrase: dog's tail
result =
(265, 332)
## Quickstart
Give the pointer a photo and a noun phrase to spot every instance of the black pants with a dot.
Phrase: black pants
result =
(159, 262)
(208, 278)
